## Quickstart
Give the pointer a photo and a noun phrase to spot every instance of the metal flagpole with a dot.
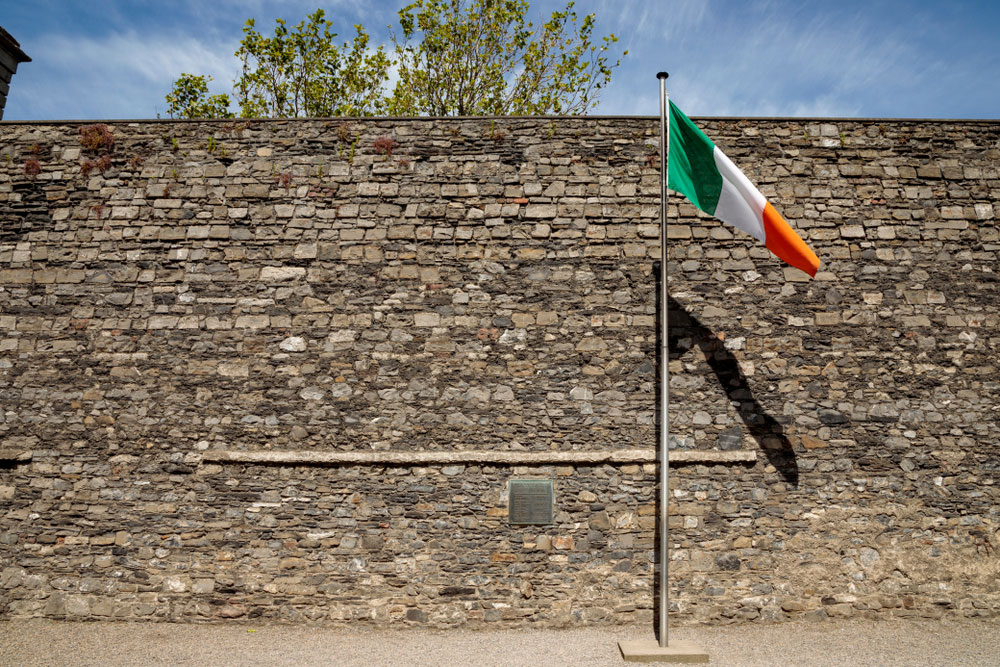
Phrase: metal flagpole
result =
(664, 366)
(653, 650)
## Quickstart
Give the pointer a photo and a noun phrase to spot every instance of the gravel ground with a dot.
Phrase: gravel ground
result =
(881, 643)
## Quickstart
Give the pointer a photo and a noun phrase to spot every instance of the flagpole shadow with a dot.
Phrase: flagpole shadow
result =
(687, 332)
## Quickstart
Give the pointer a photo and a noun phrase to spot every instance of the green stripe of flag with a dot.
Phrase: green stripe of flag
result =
(691, 168)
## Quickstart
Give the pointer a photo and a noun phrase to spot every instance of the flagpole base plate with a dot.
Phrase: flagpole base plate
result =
(649, 650)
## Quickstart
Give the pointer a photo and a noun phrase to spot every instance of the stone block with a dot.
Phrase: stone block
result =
(426, 319)
(252, 322)
(702, 561)
(535, 211)
(77, 605)
(282, 273)
(234, 369)
(16, 276)
(592, 344)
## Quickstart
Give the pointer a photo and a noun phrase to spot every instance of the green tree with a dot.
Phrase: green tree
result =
(190, 99)
(473, 57)
(454, 57)
(303, 73)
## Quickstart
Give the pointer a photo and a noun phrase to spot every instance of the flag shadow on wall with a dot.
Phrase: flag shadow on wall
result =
(686, 332)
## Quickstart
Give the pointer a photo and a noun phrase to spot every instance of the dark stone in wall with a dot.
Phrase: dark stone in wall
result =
(731, 438)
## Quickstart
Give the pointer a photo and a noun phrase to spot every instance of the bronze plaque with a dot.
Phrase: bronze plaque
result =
(530, 501)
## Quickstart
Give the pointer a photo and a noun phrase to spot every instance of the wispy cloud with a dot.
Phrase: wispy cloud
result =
(134, 54)
(820, 67)
(123, 75)
(767, 59)
(636, 22)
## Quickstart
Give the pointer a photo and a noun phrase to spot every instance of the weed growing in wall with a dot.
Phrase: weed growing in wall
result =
(32, 167)
(96, 138)
(354, 145)
(343, 138)
(102, 164)
(385, 146)
(497, 135)
(235, 129)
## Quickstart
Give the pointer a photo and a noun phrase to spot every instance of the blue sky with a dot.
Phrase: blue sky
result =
(106, 59)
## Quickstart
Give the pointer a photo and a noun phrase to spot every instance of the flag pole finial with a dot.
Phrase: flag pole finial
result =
(662, 75)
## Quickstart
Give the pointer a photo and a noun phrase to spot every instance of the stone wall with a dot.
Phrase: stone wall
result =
(286, 370)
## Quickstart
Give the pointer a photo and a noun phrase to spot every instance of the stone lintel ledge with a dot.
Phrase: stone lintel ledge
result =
(15, 455)
(502, 457)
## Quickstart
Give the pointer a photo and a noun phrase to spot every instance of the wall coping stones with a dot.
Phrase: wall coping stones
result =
(476, 456)
(588, 119)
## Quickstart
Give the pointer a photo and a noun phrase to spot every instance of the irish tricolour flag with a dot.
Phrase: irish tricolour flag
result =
(702, 173)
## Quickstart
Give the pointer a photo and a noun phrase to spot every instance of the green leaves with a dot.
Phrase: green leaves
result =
(301, 72)
(454, 57)
(482, 57)
(190, 99)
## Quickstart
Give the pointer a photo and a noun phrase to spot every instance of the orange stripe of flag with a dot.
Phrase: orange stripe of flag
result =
(782, 240)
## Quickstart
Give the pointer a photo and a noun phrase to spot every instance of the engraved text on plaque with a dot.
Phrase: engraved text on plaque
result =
(530, 501)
